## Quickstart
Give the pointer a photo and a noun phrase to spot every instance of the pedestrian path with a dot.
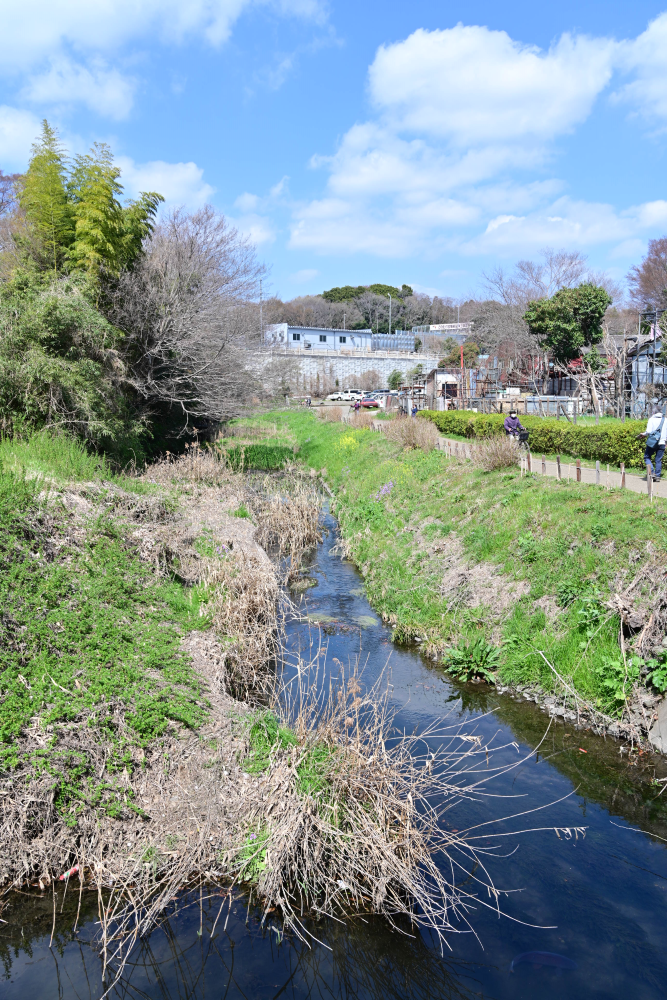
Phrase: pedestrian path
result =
(605, 477)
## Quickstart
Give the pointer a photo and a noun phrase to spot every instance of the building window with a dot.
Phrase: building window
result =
(296, 336)
(342, 340)
(323, 338)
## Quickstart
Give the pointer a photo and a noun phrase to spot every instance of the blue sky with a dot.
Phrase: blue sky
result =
(359, 142)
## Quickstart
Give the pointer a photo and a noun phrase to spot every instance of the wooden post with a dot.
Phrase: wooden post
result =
(578, 470)
(544, 466)
(622, 475)
(649, 485)
(597, 473)
(607, 475)
(558, 465)
(528, 461)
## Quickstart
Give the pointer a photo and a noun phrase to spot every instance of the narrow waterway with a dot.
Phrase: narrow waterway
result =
(598, 903)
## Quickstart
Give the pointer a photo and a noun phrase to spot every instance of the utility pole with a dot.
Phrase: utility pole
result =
(390, 313)
(343, 320)
(261, 321)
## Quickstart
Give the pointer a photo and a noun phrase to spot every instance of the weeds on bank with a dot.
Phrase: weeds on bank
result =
(88, 633)
(556, 552)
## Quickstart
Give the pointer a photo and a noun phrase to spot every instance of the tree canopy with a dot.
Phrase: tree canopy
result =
(453, 359)
(569, 321)
(74, 219)
(344, 293)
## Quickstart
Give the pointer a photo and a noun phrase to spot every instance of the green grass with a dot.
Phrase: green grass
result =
(395, 506)
(60, 458)
(88, 632)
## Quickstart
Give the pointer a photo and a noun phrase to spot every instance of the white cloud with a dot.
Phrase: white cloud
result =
(247, 202)
(473, 85)
(646, 58)
(179, 183)
(257, 228)
(35, 29)
(101, 89)
(304, 277)
(18, 130)
(455, 156)
(42, 41)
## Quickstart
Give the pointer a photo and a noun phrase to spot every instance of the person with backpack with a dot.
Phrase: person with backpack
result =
(656, 438)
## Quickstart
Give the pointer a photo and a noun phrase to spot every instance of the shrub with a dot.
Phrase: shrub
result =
(495, 453)
(332, 414)
(613, 443)
(362, 419)
(413, 433)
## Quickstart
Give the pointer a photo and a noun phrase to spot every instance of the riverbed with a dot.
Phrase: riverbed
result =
(596, 900)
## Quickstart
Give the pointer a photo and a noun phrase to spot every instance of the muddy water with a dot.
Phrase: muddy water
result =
(600, 902)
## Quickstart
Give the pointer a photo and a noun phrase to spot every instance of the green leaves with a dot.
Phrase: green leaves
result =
(616, 680)
(74, 216)
(43, 198)
(611, 441)
(569, 321)
(477, 658)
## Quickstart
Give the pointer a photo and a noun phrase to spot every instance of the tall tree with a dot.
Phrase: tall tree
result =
(106, 236)
(648, 280)
(8, 192)
(569, 321)
(43, 198)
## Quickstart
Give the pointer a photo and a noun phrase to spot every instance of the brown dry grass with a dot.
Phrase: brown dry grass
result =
(499, 452)
(289, 525)
(413, 433)
(349, 814)
(332, 414)
(363, 419)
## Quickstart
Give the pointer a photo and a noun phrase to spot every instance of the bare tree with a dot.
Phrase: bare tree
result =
(184, 309)
(648, 281)
(8, 199)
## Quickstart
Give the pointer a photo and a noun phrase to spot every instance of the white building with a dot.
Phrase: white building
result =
(308, 338)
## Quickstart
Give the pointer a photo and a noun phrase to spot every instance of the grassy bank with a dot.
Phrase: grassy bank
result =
(504, 573)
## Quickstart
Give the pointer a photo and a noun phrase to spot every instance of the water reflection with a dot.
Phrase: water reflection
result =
(362, 960)
(603, 900)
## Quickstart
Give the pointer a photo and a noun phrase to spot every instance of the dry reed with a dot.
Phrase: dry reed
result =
(349, 818)
(363, 419)
(288, 524)
(332, 414)
(413, 433)
(498, 452)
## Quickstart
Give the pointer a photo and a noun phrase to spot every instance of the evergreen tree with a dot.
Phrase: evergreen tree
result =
(569, 321)
(107, 236)
(43, 198)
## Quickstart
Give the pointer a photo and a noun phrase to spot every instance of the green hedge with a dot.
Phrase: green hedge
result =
(612, 443)
(258, 456)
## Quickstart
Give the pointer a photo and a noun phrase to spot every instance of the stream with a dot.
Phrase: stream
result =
(599, 901)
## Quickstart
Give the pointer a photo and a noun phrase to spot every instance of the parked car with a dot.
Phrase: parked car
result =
(334, 396)
(370, 404)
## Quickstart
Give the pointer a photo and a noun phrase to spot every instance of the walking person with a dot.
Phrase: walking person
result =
(357, 406)
(656, 437)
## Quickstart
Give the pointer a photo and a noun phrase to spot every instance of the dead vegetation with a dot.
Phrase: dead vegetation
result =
(413, 433)
(499, 452)
(331, 414)
(344, 816)
(362, 419)
(289, 525)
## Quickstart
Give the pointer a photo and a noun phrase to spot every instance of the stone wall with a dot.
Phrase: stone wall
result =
(316, 373)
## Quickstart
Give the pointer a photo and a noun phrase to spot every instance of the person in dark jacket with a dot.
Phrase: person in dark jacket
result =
(512, 424)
